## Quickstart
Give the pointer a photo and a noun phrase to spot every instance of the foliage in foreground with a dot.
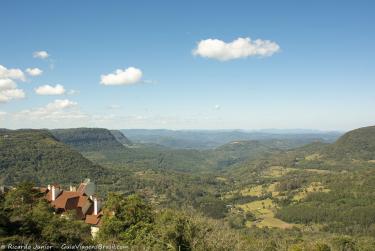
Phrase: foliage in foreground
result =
(26, 218)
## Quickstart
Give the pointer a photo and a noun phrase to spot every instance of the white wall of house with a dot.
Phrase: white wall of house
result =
(94, 231)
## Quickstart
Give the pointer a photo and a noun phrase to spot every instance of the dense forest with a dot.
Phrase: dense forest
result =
(242, 195)
(35, 155)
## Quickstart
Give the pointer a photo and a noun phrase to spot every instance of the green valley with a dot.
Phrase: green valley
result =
(252, 191)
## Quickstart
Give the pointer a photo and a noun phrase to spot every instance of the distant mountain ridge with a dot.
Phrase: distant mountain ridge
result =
(88, 139)
(210, 139)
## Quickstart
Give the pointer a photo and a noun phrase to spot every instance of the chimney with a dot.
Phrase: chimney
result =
(49, 187)
(53, 193)
(72, 188)
(97, 206)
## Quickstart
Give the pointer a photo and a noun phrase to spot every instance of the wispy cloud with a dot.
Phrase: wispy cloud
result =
(40, 54)
(72, 92)
(58, 109)
(50, 90)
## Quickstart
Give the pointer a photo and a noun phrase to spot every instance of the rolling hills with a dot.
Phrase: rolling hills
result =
(36, 155)
(210, 139)
(358, 144)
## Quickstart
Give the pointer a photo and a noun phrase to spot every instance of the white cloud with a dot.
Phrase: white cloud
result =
(239, 48)
(34, 71)
(127, 76)
(61, 113)
(10, 94)
(60, 104)
(6, 84)
(15, 74)
(217, 107)
(9, 91)
(50, 90)
(56, 109)
(40, 54)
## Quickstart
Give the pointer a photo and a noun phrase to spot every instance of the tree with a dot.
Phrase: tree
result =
(126, 219)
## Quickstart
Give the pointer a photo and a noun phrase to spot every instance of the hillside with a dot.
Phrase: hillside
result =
(88, 139)
(238, 151)
(36, 155)
(120, 137)
(358, 144)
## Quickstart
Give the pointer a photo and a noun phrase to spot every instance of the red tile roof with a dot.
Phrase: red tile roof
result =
(93, 219)
(49, 195)
(83, 199)
(66, 200)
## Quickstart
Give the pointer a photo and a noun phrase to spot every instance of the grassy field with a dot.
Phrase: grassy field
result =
(260, 190)
(313, 187)
(319, 171)
(264, 213)
(314, 156)
(264, 209)
(277, 171)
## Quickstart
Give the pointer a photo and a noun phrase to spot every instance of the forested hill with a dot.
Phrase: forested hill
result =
(239, 151)
(120, 137)
(38, 156)
(358, 144)
(88, 139)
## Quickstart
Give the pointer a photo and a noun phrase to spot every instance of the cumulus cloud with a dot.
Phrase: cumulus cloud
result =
(50, 90)
(40, 54)
(34, 71)
(9, 91)
(6, 84)
(239, 48)
(10, 94)
(127, 76)
(15, 74)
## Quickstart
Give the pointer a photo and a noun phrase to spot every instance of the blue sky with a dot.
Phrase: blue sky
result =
(320, 75)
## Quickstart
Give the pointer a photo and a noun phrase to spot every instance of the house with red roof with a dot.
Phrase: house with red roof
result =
(82, 201)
